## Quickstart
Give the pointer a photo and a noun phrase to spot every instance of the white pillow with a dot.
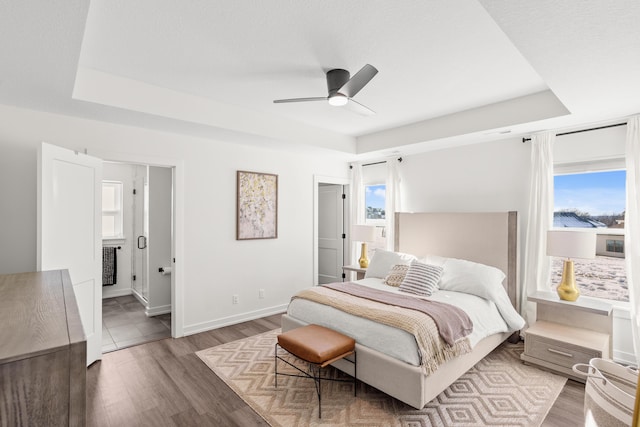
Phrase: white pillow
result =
(477, 279)
(421, 279)
(471, 277)
(382, 261)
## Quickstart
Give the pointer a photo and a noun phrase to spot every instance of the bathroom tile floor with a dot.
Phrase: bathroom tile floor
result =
(124, 324)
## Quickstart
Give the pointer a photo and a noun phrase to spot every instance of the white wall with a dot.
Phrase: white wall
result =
(18, 203)
(492, 176)
(586, 147)
(215, 265)
(159, 246)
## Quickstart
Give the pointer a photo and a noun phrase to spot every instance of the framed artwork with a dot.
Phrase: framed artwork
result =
(257, 206)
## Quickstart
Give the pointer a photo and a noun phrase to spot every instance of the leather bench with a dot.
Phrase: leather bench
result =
(319, 347)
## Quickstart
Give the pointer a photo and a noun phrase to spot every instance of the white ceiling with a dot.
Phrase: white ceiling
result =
(453, 72)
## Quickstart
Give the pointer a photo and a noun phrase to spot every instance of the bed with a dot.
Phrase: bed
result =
(386, 363)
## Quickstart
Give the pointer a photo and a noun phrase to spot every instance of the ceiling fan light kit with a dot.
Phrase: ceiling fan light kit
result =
(342, 88)
(338, 100)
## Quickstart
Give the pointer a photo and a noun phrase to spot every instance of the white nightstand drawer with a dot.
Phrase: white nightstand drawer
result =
(566, 333)
(557, 352)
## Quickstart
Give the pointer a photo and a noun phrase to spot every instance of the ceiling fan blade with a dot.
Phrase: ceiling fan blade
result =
(319, 98)
(358, 81)
(356, 107)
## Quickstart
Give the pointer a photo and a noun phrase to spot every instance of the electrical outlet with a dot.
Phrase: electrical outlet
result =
(261, 294)
(235, 299)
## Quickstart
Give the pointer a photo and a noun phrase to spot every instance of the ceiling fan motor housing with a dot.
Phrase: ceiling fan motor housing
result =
(336, 78)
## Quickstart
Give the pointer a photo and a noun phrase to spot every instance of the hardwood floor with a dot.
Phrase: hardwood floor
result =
(163, 383)
(568, 409)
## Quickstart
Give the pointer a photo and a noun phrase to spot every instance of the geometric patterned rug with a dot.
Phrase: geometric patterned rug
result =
(499, 390)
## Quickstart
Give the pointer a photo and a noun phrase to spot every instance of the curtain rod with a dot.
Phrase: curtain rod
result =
(376, 163)
(582, 130)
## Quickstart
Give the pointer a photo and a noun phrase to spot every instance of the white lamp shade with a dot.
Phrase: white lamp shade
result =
(571, 244)
(363, 233)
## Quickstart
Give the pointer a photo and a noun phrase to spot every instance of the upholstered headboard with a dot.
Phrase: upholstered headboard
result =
(486, 237)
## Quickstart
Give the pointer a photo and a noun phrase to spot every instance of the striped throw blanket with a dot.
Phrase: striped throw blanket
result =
(434, 350)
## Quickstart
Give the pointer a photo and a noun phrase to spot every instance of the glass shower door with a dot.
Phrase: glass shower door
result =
(141, 233)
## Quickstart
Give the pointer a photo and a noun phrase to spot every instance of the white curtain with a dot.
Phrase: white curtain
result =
(392, 200)
(632, 227)
(537, 265)
(357, 208)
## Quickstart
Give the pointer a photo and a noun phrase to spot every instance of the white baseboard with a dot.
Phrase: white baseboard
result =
(161, 309)
(139, 297)
(112, 293)
(232, 320)
(624, 358)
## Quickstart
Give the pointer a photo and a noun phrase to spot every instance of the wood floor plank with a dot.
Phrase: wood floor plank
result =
(156, 417)
(163, 383)
(568, 409)
(202, 341)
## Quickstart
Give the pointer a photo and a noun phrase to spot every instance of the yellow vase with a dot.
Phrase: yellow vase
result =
(364, 261)
(567, 289)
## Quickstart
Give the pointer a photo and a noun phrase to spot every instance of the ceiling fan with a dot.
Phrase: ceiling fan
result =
(342, 88)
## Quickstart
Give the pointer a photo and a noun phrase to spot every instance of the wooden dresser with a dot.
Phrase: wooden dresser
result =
(42, 351)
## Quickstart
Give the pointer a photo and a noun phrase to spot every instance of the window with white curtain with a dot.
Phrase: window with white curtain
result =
(589, 192)
(112, 217)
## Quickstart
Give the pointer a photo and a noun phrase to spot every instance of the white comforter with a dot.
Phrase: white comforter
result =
(394, 342)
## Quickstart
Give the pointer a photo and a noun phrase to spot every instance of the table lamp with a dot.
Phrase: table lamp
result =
(364, 234)
(570, 244)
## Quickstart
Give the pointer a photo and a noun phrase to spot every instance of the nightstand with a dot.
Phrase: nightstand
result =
(566, 333)
(355, 268)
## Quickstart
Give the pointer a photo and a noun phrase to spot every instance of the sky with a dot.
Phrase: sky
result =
(375, 195)
(598, 193)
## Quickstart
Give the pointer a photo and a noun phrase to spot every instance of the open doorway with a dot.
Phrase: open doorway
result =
(137, 254)
(69, 210)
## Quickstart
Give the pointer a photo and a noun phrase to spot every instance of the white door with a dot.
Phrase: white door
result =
(330, 232)
(70, 230)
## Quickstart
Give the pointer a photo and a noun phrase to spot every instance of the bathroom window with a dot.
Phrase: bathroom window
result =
(112, 210)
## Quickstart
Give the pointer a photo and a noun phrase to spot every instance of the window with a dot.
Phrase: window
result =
(374, 198)
(594, 200)
(112, 210)
(374, 179)
(615, 246)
